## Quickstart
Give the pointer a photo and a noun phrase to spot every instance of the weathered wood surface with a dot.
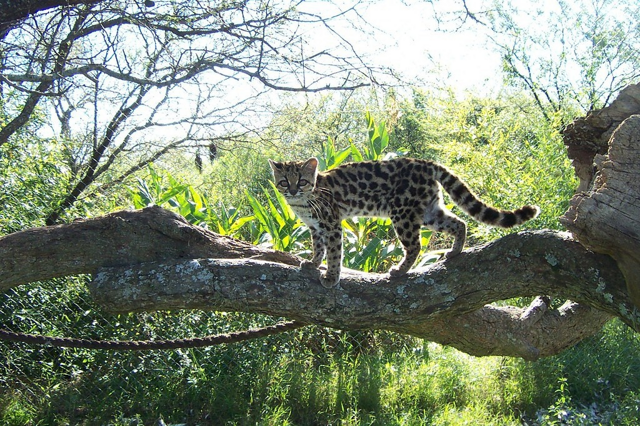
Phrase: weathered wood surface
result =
(605, 215)
(445, 303)
(120, 238)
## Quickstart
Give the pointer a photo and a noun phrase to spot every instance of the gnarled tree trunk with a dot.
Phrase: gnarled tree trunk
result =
(605, 215)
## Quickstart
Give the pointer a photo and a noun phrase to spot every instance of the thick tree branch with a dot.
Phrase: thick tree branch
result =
(445, 303)
(154, 260)
(519, 265)
(121, 238)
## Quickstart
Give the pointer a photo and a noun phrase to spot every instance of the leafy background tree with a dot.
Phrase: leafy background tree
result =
(118, 74)
(578, 60)
(111, 104)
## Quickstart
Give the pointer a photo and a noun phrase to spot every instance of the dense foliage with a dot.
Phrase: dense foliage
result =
(314, 375)
(209, 164)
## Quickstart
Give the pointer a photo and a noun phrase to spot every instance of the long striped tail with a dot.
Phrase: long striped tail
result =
(476, 208)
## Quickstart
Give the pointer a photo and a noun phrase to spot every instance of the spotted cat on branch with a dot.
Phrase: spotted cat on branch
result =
(406, 190)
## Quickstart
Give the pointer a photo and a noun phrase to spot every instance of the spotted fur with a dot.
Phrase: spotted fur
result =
(404, 189)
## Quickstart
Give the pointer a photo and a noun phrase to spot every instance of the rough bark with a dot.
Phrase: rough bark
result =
(605, 215)
(588, 137)
(121, 238)
(445, 303)
(153, 260)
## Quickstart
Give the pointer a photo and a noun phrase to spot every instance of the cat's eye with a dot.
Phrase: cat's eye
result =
(284, 183)
(303, 182)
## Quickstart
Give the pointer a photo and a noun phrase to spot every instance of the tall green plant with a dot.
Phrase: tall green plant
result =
(278, 226)
(228, 220)
(377, 141)
(182, 198)
(331, 157)
(153, 190)
(367, 246)
(372, 150)
(162, 189)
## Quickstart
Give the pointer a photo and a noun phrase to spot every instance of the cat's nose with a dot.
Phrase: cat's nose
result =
(293, 191)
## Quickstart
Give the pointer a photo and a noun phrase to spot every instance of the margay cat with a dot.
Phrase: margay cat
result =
(404, 189)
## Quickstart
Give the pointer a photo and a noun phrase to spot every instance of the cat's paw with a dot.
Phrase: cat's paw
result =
(307, 264)
(395, 271)
(452, 253)
(329, 280)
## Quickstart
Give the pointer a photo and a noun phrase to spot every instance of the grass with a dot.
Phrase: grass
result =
(317, 376)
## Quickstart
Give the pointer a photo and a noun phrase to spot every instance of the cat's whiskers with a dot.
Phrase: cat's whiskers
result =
(315, 207)
(323, 201)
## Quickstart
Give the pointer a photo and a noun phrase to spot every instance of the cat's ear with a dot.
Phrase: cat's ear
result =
(311, 165)
(275, 165)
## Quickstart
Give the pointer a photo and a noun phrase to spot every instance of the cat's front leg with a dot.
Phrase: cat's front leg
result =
(334, 258)
(319, 249)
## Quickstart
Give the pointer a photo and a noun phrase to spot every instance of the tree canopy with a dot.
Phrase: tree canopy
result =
(117, 74)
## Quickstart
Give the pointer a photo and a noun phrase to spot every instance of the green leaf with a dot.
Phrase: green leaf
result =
(331, 157)
(166, 195)
(197, 198)
(383, 140)
(371, 254)
(239, 223)
(355, 152)
(341, 156)
(378, 138)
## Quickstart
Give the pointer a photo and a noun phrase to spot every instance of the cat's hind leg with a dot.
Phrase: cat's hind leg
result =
(408, 231)
(439, 219)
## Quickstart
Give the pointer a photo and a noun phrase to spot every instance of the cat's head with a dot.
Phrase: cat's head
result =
(295, 178)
